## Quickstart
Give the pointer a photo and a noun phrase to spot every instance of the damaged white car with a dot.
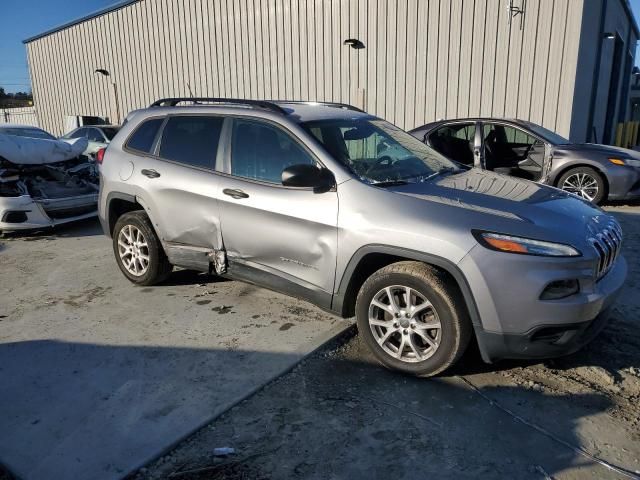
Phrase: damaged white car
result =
(44, 181)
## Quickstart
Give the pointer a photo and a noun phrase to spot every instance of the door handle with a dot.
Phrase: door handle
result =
(235, 193)
(150, 173)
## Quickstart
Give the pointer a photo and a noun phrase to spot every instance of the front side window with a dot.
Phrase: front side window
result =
(143, 138)
(377, 151)
(260, 151)
(191, 140)
(455, 141)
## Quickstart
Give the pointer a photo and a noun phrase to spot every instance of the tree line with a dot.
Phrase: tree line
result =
(13, 100)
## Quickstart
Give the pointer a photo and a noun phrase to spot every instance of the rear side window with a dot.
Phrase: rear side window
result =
(80, 133)
(95, 136)
(191, 140)
(142, 139)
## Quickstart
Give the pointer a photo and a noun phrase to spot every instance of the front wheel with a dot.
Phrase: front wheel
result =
(413, 319)
(585, 182)
(138, 250)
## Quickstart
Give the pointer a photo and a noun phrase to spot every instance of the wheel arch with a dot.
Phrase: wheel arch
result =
(117, 205)
(578, 164)
(371, 258)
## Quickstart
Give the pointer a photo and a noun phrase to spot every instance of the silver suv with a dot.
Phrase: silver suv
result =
(333, 205)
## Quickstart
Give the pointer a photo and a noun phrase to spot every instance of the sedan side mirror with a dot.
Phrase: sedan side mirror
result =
(308, 176)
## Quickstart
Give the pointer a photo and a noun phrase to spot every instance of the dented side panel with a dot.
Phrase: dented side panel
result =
(291, 232)
(181, 203)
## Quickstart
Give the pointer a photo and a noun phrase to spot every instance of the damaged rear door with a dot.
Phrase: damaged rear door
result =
(179, 188)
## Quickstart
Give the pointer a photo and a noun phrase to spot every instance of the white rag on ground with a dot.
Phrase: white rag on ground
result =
(39, 151)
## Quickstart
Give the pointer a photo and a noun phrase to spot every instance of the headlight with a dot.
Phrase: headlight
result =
(625, 161)
(525, 246)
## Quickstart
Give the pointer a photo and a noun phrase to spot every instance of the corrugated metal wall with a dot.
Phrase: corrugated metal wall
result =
(424, 59)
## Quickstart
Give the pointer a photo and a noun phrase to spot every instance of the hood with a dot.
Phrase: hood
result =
(492, 199)
(39, 151)
(605, 150)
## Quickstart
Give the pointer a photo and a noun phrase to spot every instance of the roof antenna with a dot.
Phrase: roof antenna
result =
(191, 93)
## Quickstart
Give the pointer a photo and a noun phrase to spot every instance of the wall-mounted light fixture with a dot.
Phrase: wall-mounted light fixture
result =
(115, 107)
(354, 43)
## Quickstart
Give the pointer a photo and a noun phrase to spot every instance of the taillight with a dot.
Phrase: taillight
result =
(100, 156)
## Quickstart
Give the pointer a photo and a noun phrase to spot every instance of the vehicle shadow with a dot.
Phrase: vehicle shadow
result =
(82, 228)
(82, 410)
(190, 277)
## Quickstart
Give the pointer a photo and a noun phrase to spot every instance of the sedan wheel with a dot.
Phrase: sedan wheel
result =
(581, 184)
(584, 182)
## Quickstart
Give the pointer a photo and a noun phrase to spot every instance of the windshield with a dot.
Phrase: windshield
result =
(548, 135)
(378, 152)
(109, 132)
(27, 132)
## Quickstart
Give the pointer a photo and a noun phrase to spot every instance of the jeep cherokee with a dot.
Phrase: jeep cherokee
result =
(330, 204)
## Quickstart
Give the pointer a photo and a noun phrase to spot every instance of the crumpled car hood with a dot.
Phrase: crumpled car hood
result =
(39, 151)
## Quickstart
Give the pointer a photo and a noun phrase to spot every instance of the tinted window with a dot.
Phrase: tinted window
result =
(261, 151)
(109, 133)
(191, 140)
(80, 133)
(94, 135)
(142, 139)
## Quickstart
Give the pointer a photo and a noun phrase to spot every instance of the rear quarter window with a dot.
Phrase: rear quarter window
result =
(142, 139)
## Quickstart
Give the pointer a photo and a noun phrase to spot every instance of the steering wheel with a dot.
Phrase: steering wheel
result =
(383, 160)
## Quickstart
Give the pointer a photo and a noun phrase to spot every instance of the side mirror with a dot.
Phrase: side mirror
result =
(309, 176)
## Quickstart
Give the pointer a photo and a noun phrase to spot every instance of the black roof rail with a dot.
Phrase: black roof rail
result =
(173, 101)
(344, 106)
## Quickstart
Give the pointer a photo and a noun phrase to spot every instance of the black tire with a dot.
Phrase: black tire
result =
(447, 301)
(159, 267)
(600, 197)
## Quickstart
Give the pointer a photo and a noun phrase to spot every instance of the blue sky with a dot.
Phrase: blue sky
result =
(24, 18)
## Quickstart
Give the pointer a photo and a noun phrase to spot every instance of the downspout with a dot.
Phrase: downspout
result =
(596, 74)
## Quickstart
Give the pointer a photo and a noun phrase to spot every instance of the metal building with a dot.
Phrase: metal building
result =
(562, 63)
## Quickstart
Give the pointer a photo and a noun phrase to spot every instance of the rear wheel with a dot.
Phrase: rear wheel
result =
(138, 250)
(585, 182)
(413, 319)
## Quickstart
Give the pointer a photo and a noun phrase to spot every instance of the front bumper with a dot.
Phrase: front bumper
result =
(515, 323)
(624, 183)
(25, 213)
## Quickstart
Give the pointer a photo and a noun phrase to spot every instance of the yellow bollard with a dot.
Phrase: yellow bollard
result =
(618, 141)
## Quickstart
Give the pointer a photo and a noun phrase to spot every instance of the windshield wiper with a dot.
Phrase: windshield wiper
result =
(390, 183)
(424, 178)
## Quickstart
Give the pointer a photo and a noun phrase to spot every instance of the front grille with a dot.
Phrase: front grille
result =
(607, 244)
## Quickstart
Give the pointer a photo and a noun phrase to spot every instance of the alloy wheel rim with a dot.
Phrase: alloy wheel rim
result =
(581, 184)
(405, 324)
(133, 250)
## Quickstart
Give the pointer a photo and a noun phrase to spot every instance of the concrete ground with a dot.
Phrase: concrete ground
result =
(98, 376)
(339, 415)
